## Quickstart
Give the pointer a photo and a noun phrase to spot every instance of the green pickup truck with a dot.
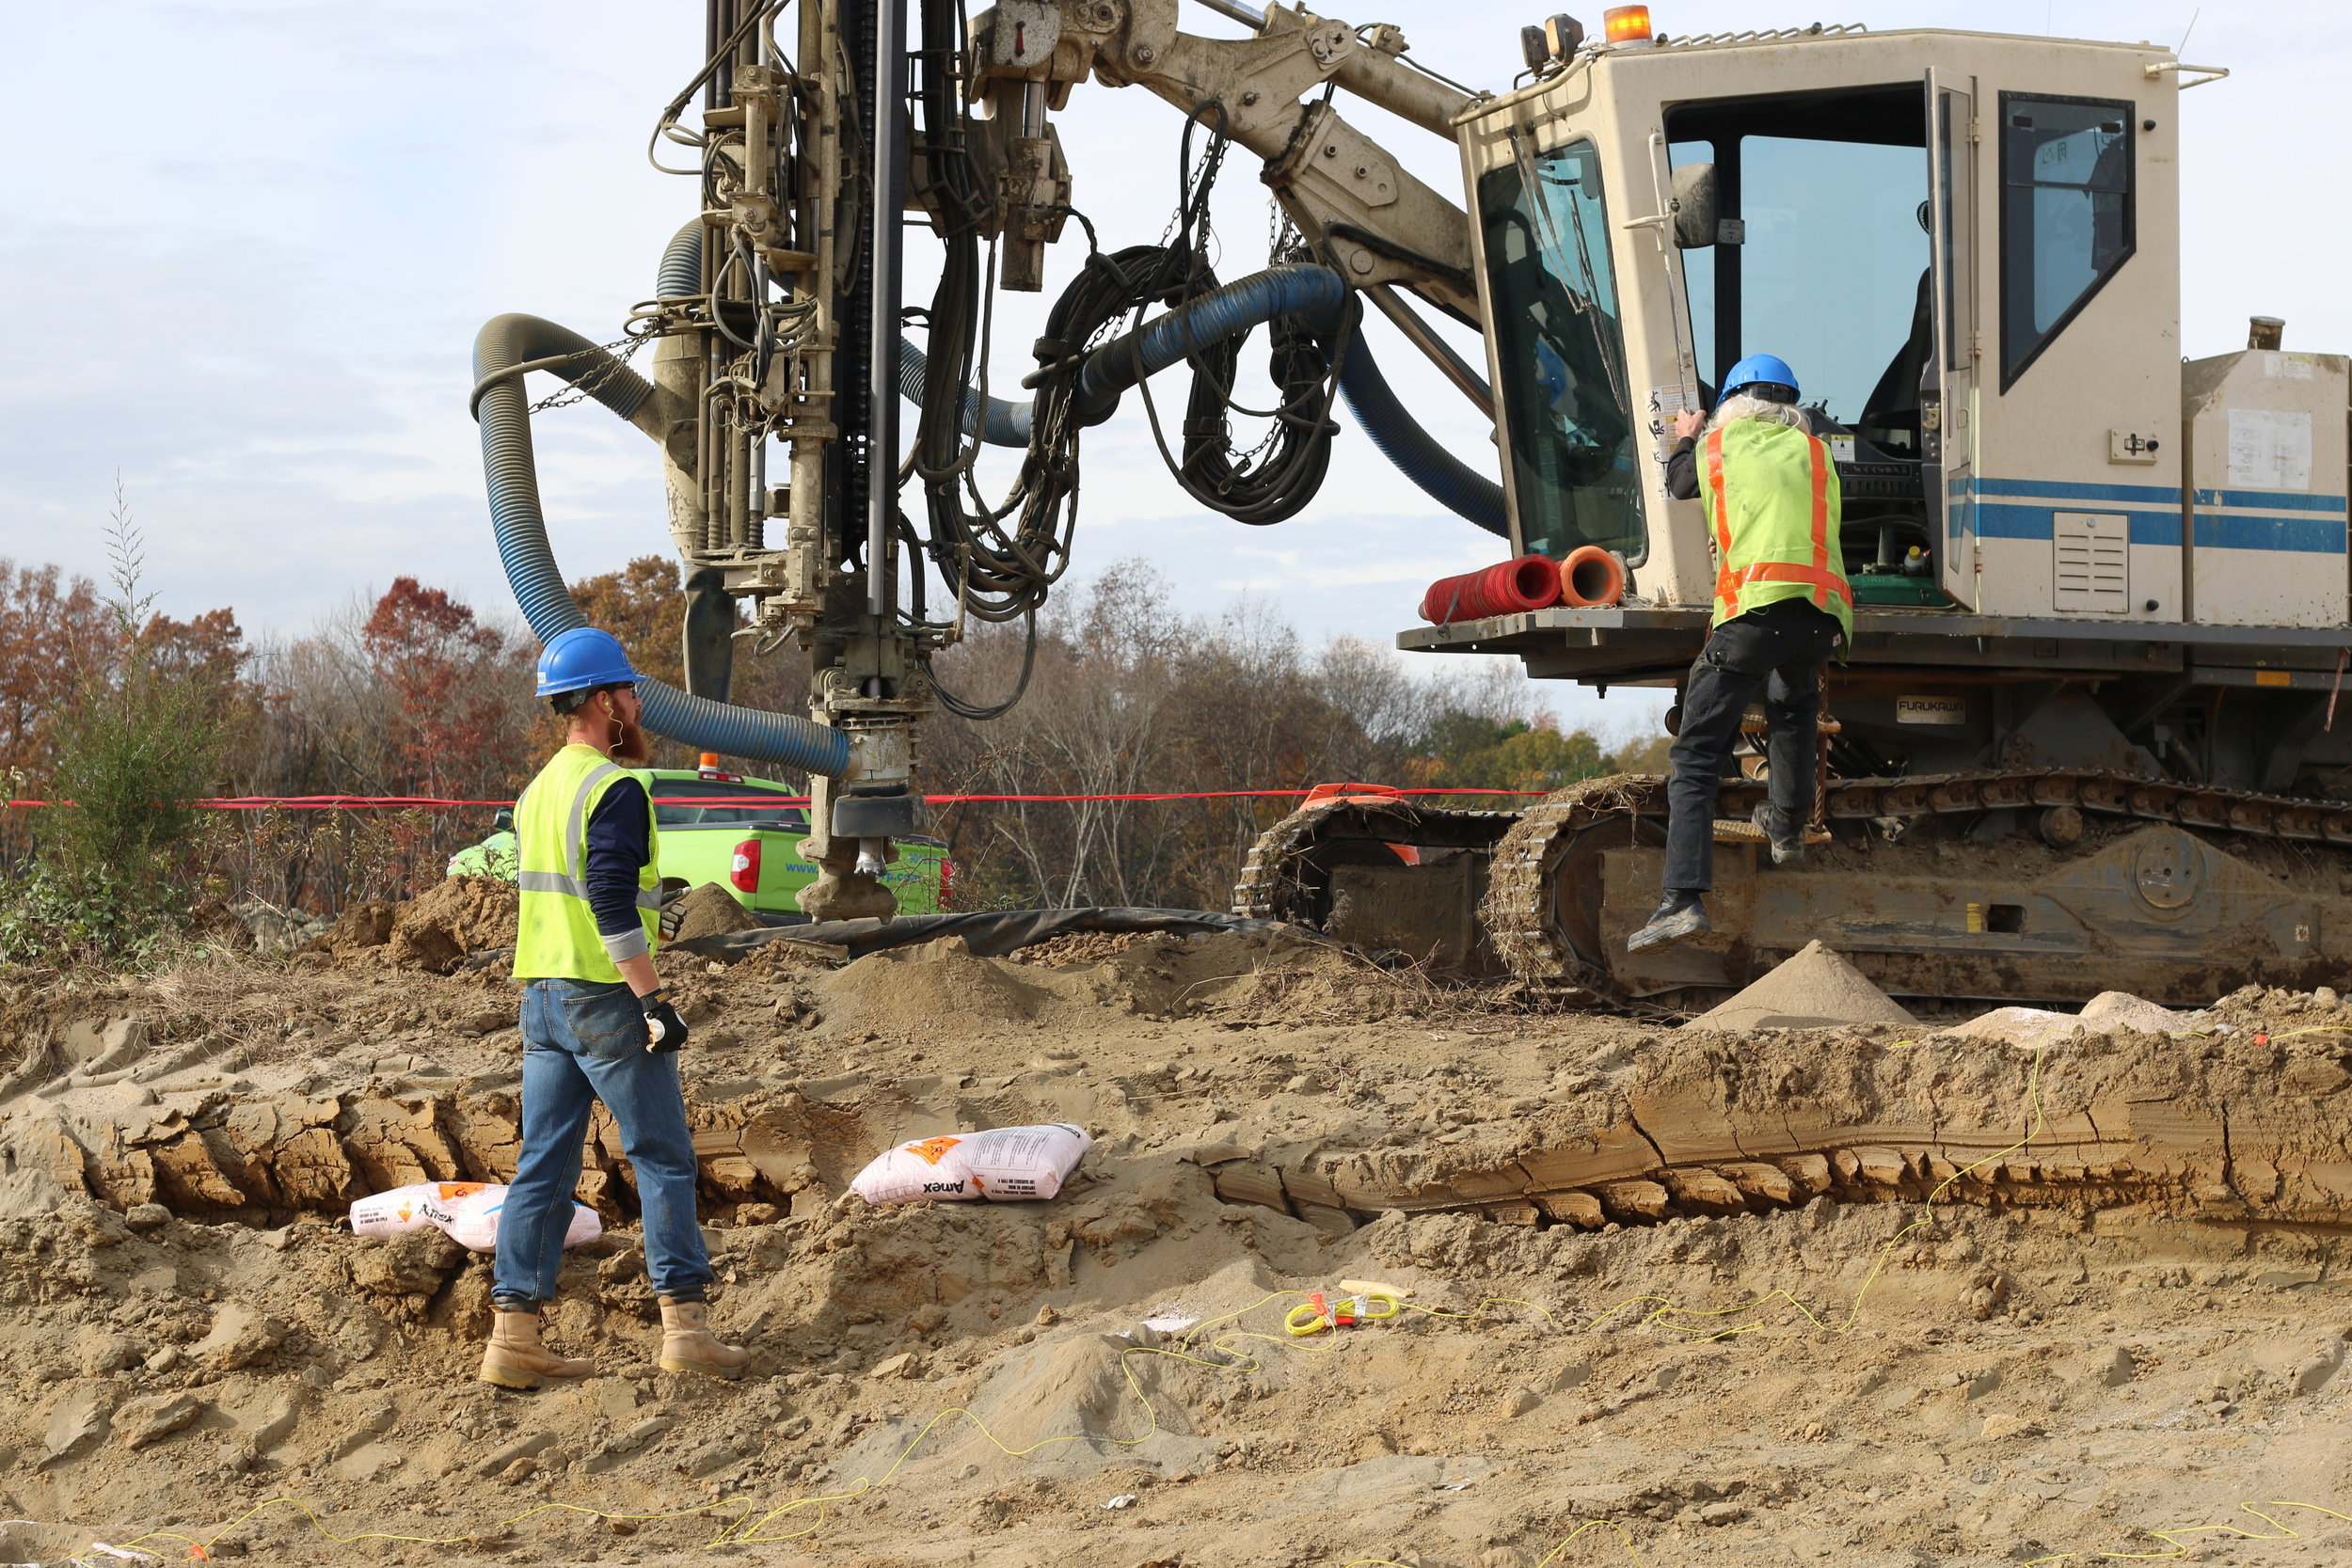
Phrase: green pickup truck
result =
(715, 829)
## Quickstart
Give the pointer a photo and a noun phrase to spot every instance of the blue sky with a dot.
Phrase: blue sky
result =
(248, 245)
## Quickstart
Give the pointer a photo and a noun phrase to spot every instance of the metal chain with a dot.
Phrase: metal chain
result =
(617, 354)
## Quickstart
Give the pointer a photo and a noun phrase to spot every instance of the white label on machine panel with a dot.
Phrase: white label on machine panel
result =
(1930, 710)
(2287, 367)
(2270, 449)
(1840, 449)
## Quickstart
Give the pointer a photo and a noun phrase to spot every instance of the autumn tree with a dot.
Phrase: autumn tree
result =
(456, 682)
(644, 606)
(53, 631)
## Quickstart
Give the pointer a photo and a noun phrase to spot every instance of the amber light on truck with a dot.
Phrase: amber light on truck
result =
(745, 872)
(1626, 23)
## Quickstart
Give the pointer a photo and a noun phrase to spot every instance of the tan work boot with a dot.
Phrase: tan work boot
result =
(515, 1359)
(688, 1346)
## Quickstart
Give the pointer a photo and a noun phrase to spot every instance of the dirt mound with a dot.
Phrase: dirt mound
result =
(933, 986)
(433, 932)
(361, 927)
(2106, 1013)
(1157, 975)
(711, 911)
(2121, 1009)
(215, 923)
(1079, 947)
(1815, 989)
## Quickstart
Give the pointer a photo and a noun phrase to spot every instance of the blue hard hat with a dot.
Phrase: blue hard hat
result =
(1760, 367)
(582, 658)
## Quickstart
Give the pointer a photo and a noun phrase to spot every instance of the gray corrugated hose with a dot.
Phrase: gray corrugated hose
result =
(682, 263)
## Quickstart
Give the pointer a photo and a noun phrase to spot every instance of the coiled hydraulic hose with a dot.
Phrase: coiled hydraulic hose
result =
(1310, 290)
(1296, 289)
(505, 345)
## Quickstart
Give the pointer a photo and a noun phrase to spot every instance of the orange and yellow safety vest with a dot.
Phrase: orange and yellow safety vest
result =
(1772, 496)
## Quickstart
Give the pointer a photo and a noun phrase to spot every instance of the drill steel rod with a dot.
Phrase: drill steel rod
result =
(881, 360)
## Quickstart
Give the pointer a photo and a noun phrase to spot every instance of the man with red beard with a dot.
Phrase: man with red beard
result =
(596, 1024)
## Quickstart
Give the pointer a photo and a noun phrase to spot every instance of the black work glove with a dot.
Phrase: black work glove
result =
(664, 1030)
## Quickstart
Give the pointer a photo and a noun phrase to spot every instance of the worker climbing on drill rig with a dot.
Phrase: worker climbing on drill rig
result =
(1782, 608)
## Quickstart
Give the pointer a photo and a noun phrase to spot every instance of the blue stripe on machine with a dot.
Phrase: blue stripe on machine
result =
(2000, 521)
(2316, 535)
(2250, 500)
(2215, 531)
(2163, 495)
(2271, 501)
(2226, 519)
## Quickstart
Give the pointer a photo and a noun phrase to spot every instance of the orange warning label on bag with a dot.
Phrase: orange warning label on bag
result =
(932, 1149)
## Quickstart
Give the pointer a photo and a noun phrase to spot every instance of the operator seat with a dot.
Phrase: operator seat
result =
(1890, 416)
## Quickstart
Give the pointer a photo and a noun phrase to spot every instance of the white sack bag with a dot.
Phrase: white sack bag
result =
(1006, 1163)
(1014, 1163)
(929, 1170)
(472, 1220)
(467, 1210)
(402, 1209)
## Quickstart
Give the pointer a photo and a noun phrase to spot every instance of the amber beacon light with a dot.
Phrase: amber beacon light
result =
(1626, 23)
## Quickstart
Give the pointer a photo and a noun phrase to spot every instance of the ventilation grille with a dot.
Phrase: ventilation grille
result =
(2094, 561)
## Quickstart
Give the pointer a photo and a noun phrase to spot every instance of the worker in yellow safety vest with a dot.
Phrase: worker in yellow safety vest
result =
(1782, 608)
(596, 1024)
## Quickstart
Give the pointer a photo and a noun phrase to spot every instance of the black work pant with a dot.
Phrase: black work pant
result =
(1781, 647)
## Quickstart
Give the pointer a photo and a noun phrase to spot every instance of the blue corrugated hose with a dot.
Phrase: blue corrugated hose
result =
(522, 539)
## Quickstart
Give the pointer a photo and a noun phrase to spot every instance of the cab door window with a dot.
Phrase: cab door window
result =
(2066, 215)
(1567, 404)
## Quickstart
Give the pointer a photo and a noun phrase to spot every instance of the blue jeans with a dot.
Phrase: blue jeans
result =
(581, 1043)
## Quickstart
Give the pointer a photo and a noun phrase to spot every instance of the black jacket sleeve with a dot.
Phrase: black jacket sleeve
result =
(1682, 470)
(620, 845)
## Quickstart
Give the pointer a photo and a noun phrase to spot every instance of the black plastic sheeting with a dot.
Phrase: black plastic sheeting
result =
(990, 933)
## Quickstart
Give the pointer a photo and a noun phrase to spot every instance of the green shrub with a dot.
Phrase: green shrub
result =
(139, 744)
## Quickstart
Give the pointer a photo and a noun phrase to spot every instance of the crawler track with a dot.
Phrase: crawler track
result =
(1543, 905)
(1287, 872)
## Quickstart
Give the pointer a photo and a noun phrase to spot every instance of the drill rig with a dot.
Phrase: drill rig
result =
(2085, 732)
(779, 364)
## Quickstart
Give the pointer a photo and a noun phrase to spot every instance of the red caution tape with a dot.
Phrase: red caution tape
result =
(395, 803)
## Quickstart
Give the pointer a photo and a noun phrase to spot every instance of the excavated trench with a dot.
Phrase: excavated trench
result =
(2136, 1239)
(2170, 1128)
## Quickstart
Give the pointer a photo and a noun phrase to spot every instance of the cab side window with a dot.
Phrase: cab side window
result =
(2066, 215)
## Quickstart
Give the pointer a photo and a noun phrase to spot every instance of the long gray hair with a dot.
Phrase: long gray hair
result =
(1746, 406)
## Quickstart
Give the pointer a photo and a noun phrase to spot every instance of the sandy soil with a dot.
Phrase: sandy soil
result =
(1685, 1282)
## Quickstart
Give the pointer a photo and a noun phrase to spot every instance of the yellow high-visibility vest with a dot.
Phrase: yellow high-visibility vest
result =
(1772, 496)
(557, 938)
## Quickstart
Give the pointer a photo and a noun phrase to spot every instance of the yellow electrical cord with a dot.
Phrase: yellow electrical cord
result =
(2287, 1532)
(745, 1530)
